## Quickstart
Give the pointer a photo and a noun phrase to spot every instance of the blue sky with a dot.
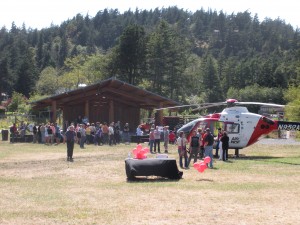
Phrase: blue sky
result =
(41, 13)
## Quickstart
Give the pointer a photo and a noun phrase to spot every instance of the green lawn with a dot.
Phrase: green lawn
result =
(38, 186)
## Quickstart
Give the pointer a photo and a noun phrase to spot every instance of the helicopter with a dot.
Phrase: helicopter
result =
(243, 127)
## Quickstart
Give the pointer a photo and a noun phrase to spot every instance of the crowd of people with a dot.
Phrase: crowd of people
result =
(49, 133)
(201, 145)
(156, 136)
(82, 132)
(86, 133)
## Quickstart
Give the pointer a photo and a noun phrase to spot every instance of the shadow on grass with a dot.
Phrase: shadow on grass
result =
(207, 180)
(294, 164)
(150, 179)
(274, 159)
(258, 157)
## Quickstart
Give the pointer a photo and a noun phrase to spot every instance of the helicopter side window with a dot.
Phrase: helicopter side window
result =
(233, 128)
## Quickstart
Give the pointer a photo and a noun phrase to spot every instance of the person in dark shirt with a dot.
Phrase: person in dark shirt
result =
(70, 137)
(34, 132)
(195, 143)
(126, 133)
(208, 145)
(225, 145)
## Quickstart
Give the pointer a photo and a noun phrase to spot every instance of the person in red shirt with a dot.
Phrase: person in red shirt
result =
(105, 133)
(208, 146)
(202, 134)
(172, 137)
(13, 132)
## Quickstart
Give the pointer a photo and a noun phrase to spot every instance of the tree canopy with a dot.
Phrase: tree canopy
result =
(170, 51)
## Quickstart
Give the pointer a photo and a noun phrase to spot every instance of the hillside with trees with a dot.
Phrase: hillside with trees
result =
(204, 56)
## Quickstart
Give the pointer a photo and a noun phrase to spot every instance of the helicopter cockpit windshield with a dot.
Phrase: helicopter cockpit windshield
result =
(188, 127)
(201, 123)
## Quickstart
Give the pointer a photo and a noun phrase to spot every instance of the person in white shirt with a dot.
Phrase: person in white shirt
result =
(111, 134)
(156, 139)
(181, 143)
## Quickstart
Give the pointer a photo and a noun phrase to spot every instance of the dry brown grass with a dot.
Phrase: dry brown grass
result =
(38, 186)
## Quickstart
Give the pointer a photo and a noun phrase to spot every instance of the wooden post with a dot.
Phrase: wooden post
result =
(160, 115)
(87, 109)
(111, 111)
(53, 110)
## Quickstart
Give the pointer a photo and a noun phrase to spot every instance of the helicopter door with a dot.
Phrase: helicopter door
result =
(234, 133)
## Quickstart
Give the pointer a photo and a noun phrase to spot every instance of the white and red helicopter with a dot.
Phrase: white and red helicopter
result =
(243, 127)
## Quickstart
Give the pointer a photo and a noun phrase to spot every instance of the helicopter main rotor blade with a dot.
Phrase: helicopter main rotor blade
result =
(229, 104)
(209, 105)
(259, 103)
(202, 105)
(175, 107)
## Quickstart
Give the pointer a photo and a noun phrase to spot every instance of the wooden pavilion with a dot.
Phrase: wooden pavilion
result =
(107, 101)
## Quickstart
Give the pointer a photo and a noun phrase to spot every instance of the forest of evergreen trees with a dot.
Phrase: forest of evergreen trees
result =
(205, 56)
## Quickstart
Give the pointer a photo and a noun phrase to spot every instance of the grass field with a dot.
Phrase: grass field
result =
(38, 186)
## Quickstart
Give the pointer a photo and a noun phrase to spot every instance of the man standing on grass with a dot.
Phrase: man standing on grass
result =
(208, 145)
(157, 139)
(70, 137)
(126, 133)
(166, 138)
(13, 132)
(219, 135)
(83, 136)
(195, 143)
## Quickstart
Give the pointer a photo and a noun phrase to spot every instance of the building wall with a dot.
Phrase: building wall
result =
(71, 113)
(127, 114)
(99, 113)
(121, 112)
